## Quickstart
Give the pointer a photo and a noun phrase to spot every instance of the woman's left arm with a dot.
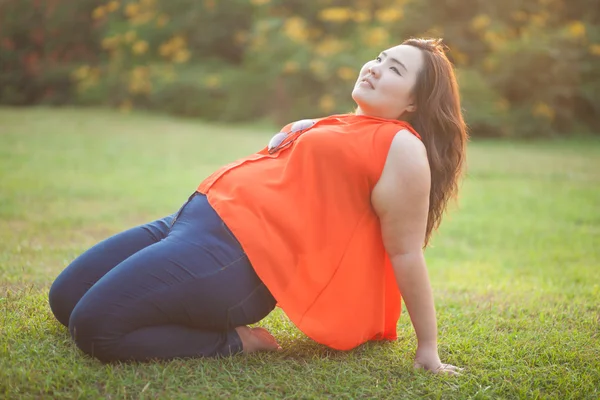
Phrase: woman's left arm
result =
(401, 200)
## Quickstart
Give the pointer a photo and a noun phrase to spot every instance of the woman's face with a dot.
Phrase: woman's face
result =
(384, 85)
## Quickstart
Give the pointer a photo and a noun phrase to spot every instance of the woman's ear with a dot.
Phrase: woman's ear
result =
(408, 112)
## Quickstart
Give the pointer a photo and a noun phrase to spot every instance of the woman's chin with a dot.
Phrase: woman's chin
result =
(359, 99)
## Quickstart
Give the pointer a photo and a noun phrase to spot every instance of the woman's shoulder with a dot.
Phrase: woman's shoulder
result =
(406, 169)
(407, 149)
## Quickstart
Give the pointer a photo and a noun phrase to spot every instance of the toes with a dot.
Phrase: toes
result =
(266, 337)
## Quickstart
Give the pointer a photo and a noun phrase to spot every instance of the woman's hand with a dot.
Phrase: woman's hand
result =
(427, 357)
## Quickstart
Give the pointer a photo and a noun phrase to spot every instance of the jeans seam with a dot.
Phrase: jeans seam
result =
(178, 214)
(229, 265)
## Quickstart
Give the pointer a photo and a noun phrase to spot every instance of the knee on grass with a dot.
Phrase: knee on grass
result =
(92, 335)
(62, 299)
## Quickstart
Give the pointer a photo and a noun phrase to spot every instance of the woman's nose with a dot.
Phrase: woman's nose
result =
(374, 70)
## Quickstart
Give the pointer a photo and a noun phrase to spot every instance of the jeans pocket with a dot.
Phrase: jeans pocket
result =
(252, 309)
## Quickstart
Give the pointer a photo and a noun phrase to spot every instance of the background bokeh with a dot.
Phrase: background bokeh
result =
(526, 67)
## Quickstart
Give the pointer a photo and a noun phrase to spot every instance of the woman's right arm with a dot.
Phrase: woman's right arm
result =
(401, 200)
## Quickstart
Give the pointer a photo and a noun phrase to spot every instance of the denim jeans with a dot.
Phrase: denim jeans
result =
(174, 288)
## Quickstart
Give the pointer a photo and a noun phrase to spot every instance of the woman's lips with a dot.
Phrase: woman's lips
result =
(367, 82)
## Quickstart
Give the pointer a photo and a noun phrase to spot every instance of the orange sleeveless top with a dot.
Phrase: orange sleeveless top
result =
(303, 216)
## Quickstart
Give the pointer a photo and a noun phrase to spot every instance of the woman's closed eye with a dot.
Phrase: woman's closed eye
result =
(379, 60)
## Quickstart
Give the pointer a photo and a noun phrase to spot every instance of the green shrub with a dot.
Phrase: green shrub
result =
(528, 68)
(41, 42)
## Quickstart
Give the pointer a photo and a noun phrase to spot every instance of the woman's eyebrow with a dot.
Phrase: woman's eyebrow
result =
(383, 53)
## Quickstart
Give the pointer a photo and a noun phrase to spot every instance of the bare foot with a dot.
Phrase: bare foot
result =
(257, 339)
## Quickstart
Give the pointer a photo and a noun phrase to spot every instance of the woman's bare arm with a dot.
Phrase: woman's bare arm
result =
(401, 200)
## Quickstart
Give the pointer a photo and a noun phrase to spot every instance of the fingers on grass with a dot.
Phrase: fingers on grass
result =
(448, 369)
(444, 369)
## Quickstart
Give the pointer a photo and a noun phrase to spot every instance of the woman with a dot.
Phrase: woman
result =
(329, 222)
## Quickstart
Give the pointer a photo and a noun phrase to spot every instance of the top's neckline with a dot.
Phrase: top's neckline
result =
(364, 116)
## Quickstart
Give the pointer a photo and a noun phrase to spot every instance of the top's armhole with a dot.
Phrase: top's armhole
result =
(383, 147)
(408, 127)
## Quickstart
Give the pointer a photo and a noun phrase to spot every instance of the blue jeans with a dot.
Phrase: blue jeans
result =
(173, 288)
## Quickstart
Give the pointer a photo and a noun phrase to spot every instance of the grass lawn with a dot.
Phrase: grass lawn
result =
(515, 268)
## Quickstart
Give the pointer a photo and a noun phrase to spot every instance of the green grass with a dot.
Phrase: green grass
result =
(515, 268)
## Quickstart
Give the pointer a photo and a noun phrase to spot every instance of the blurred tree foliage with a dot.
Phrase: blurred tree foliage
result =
(526, 67)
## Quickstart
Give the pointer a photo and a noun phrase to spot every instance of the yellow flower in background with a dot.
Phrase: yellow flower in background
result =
(112, 6)
(376, 37)
(494, 39)
(519, 16)
(213, 81)
(480, 22)
(139, 81)
(361, 16)
(576, 29)
(139, 87)
(388, 15)
(327, 103)
(460, 58)
(295, 28)
(291, 67)
(99, 12)
(143, 18)
(175, 46)
(594, 49)
(329, 46)
(543, 110)
(539, 20)
(178, 41)
(162, 20)
(182, 56)
(140, 72)
(89, 81)
(335, 14)
(130, 36)
(81, 73)
(140, 47)
(111, 43)
(132, 9)
(259, 2)
(347, 73)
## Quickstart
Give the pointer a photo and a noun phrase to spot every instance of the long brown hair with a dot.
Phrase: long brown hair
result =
(439, 121)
